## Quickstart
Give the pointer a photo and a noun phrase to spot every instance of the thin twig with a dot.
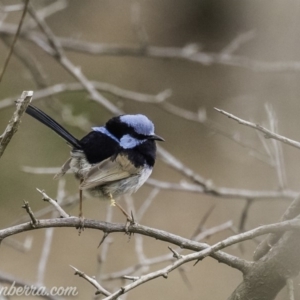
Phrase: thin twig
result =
(175, 253)
(62, 213)
(41, 272)
(92, 281)
(34, 221)
(279, 160)
(147, 202)
(46, 12)
(20, 246)
(137, 25)
(268, 133)
(14, 40)
(203, 220)
(290, 287)
(236, 43)
(244, 215)
(105, 243)
(213, 230)
(201, 118)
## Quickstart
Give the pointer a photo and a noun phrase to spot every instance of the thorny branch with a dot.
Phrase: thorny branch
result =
(100, 289)
(200, 255)
(230, 260)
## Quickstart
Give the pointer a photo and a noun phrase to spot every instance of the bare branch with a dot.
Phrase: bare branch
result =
(19, 246)
(12, 8)
(14, 122)
(193, 188)
(137, 25)
(14, 40)
(34, 221)
(46, 12)
(146, 204)
(175, 253)
(203, 220)
(264, 247)
(213, 230)
(143, 265)
(236, 43)
(101, 86)
(49, 232)
(290, 287)
(74, 222)
(268, 134)
(58, 53)
(202, 254)
(92, 281)
(62, 213)
(156, 52)
(201, 118)
(244, 215)
(279, 160)
(274, 268)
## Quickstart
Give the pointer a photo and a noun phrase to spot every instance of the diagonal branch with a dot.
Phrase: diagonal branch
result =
(268, 133)
(14, 40)
(14, 122)
(204, 253)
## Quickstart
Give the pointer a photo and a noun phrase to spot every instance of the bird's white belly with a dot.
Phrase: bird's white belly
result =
(80, 166)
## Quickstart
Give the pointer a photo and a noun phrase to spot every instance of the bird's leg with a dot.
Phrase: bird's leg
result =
(81, 217)
(80, 201)
(112, 200)
(129, 219)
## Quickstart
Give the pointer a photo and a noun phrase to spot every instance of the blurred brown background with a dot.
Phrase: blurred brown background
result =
(212, 25)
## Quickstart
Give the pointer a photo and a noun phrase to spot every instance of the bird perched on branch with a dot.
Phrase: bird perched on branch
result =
(111, 160)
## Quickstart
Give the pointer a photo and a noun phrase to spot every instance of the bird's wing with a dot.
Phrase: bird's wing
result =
(109, 170)
(64, 169)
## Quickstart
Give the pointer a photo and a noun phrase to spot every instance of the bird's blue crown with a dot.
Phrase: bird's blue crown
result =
(140, 124)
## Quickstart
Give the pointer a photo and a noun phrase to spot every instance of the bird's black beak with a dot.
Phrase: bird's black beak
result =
(156, 138)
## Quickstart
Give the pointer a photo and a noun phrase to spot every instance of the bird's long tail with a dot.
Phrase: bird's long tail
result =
(48, 121)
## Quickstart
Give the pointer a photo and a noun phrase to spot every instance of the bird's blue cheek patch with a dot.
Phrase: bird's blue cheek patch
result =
(128, 142)
(106, 132)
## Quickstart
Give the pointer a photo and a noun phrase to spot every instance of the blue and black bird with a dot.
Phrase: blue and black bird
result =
(111, 160)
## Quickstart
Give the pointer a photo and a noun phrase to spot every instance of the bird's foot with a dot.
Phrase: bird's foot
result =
(112, 202)
(80, 226)
(129, 218)
(129, 221)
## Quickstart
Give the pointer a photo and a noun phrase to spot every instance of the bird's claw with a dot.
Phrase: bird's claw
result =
(80, 226)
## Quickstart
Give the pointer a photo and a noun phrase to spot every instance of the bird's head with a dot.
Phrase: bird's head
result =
(131, 130)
